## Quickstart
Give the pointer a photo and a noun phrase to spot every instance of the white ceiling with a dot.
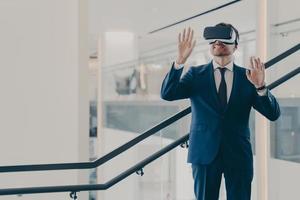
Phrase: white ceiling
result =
(142, 16)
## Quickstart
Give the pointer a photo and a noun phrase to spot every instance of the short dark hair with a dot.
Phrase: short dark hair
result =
(234, 29)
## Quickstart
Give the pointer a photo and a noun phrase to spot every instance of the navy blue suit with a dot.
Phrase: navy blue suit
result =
(215, 133)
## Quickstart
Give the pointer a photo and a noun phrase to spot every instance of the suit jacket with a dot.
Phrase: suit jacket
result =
(211, 127)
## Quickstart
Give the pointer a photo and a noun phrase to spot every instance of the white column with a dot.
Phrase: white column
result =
(262, 125)
(83, 93)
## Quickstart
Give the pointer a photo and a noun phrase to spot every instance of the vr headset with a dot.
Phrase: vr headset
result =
(223, 34)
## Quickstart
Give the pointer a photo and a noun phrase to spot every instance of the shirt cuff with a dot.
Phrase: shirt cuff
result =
(178, 66)
(262, 92)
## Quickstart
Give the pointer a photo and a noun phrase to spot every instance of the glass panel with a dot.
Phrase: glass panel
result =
(284, 167)
(162, 178)
(286, 132)
(131, 103)
(144, 116)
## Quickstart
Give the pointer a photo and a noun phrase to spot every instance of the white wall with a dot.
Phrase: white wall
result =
(44, 96)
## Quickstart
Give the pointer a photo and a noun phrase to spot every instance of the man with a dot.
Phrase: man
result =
(221, 95)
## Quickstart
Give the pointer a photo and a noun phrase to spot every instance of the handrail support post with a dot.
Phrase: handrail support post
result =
(73, 195)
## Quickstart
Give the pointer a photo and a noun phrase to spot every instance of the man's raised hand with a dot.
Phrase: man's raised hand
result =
(256, 74)
(186, 45)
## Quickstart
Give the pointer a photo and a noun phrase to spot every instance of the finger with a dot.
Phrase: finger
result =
(183, 37)
(192, 36)
(188, 34)
(179, 38)
(260, 64)
(251, 62)
(256, 64)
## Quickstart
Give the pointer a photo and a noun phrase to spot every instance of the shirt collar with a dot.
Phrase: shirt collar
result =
(229, 66)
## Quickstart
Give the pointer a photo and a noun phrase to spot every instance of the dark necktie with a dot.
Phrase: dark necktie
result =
(222, 92)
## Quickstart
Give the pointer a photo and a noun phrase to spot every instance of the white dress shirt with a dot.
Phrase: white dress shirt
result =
(228, 77)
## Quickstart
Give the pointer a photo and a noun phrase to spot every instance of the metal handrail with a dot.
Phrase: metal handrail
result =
(87, 187)
(284, 78)
(105, 158)
(138, 168)
(131, 143)
(282, 56)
